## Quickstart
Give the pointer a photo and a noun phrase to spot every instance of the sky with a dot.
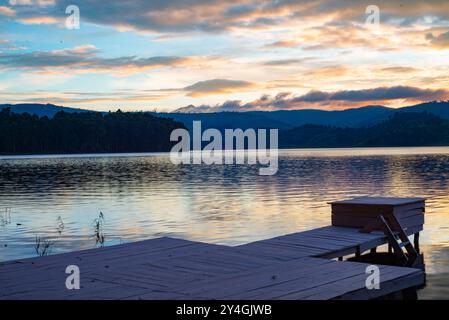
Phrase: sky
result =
(224, 55)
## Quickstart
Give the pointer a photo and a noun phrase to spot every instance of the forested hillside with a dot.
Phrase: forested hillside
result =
(87, 132)
(401, 129)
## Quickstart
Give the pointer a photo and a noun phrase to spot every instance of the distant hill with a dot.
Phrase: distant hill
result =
(400, 129)
(227, 120)
(438, 108)
(38, 109)
(79, 131)
(288, 119)
(358, 117)
(282, 119)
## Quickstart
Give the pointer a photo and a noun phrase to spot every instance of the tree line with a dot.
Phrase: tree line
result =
(87, 132)
(115, 132)
(400, 129)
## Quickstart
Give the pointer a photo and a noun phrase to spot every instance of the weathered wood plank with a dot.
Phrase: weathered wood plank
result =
(386, 201)
(166, 268)
(285, 282)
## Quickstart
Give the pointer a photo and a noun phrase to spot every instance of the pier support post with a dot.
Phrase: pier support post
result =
(416, 242)
(357, 252)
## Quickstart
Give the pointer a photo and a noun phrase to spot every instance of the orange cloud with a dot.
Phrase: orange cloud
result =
(6, 11)
(39, 20)
(218, 86)
(342, 99)
(440, 41)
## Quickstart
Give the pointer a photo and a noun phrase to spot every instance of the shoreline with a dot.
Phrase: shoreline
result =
(436, 150)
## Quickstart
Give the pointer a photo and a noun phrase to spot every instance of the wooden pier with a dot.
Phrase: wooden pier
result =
(294, 266)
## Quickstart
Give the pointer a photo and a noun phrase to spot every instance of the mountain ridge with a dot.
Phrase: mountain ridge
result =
(40, 109)
(281, 119)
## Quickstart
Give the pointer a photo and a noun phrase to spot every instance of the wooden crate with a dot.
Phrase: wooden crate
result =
(363, 212)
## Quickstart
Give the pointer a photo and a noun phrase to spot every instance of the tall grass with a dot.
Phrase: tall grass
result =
(60, 225)
(42, 246)
(98, 229)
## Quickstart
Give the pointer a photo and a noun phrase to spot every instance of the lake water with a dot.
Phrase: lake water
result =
(59, 198)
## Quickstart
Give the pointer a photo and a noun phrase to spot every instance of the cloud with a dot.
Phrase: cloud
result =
(329, 71)
(84, 58)
(171, 16)
(392, 93)
(344, 34)
(287, 62)
(6, 45)
(39, 20)
(176, 16)
(310, 25)
(283, 44)
(84, 98)
(399, 69)
(333, 32)
(327, 100)
(39, 3)
(439, 42)
(6, 11)
(217, 86)
(376, 94)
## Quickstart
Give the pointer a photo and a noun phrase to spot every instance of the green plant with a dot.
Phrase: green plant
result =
(42, 246)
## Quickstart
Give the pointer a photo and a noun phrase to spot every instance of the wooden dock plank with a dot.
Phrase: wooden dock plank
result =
(316, 280)
(41, 270)
(166, 268)
(320, 242)
(152, 246)
(355, 279)
(276, 252)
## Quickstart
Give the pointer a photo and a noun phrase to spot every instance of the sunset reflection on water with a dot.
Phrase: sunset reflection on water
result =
(144, 196)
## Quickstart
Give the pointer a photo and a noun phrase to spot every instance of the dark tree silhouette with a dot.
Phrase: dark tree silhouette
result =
(85, 132)
(401, 129)
(94, 132)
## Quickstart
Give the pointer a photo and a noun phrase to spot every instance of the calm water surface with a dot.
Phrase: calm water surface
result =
(141, 196)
